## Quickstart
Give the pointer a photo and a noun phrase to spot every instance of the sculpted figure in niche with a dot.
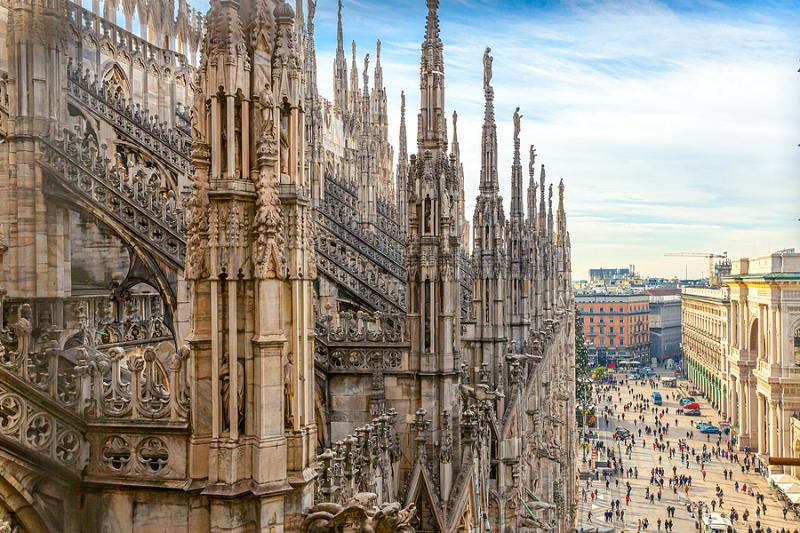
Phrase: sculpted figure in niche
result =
(288, 391)
(225, 389)
(265, 128)
(284, 142)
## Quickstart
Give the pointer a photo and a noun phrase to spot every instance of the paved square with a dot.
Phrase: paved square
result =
(645, 458)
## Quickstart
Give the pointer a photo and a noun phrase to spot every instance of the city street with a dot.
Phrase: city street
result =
(645, 458)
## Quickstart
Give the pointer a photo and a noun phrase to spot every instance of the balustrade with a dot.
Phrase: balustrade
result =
(135, 201)
(96, 384)
(172, 145)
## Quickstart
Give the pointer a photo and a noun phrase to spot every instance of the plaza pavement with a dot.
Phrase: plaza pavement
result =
(646, 458)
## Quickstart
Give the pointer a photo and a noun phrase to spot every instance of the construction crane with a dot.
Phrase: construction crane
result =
(712, 277)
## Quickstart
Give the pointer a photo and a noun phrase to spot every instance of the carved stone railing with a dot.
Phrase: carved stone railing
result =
(341, 206)
(366, 279)
(29, 424)
(388, 221)
(94, 384)
(361, 342)
(103, 322)
(84, 23)
(170, 145)
(361, 463)
(106, 186)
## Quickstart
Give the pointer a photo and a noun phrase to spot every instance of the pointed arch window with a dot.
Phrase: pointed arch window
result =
(115, 82)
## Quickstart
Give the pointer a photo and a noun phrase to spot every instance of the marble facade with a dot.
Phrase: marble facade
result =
(225, 308)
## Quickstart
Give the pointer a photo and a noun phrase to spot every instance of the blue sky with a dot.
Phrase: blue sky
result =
(675, 125)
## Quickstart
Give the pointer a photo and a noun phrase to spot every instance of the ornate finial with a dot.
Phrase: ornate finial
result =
(366, 73)
(550, 197)
(378, 52)
(353, 48)
(402, 105)
(339, 33)
(487, 69)
(517, 118)
(532, 164)
(561, 195)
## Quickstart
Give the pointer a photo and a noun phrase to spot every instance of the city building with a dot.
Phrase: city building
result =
(764, 372)
(609, 274)
(615, 325)
(221, 311)
(741, 343)
(705, 322)
(665, 323)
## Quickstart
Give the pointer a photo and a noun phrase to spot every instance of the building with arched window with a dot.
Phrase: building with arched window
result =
(764, 381)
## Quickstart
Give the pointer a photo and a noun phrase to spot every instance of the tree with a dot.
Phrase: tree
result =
(583, 374)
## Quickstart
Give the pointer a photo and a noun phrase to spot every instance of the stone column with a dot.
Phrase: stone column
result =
(772, 429)
(760, 424)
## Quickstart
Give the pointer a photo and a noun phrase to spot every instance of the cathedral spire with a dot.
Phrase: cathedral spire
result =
(355, 93)
(540, 227)
(403, 142)
(378, 85)
(561, 224)
(517, 212)
(431, 130)
(340, 68)
(489, 182)
(532, 188)
(402, 165)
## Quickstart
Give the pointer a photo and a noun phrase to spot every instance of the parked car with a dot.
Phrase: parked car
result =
(686, 399)
(621, 433)
(691, 411)
(656, 398)
(710, 430)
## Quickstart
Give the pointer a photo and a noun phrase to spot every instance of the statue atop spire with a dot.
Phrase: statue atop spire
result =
(431, 129)
(489, 182)
(517, 118)
(339, 67)
(517, 212)
(487, 70)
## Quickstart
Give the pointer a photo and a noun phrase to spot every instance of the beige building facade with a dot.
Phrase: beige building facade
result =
(765, 328)
(742, 348)
(704, 340)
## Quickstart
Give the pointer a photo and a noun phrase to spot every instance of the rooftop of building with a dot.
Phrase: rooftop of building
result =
(720, 294)
(783, 263)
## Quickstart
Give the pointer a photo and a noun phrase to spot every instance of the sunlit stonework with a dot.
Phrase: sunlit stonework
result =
(226, 309)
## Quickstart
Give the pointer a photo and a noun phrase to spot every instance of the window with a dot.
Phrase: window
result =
(601, 309)
(591, 330)
(602, 341)
(797, 346)
(591, 319)
(622, 342)
(611, 341)
(602, 320)
(611, 319)
(622, 329)
(610, 309)
(612, 330)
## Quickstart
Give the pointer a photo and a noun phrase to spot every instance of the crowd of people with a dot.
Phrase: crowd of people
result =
(652, 427)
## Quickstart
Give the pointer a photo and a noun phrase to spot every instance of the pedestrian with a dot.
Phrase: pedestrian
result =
(785, 511)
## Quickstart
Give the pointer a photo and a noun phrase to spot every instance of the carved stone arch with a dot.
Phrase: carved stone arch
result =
(116, 81)
(145, 265)
(20, 487)
(123, 56)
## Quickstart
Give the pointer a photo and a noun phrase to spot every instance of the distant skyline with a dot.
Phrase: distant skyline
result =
(673, 124)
